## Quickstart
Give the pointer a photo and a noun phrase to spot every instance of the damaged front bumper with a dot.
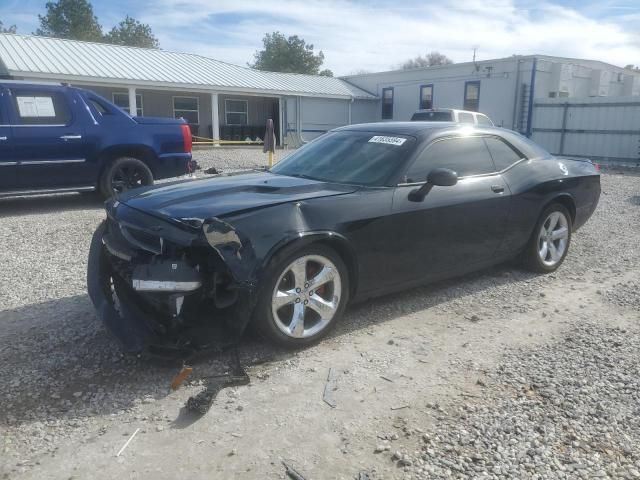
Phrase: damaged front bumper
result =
(166, 288)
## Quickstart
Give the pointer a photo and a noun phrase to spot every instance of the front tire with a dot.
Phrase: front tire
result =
(303, 296)
(550, 241)
(124, 174)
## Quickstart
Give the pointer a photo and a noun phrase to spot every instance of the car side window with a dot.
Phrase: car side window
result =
(464, 117)
(503, 154)
(40, 107)
(101, 109)
(483, 119)
(464, 155)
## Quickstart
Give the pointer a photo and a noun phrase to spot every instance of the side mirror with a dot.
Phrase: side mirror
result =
(438, 177)
(442, 177)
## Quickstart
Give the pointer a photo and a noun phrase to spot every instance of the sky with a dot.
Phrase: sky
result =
(359, 35)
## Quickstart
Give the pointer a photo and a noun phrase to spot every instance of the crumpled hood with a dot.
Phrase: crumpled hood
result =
(194, 200)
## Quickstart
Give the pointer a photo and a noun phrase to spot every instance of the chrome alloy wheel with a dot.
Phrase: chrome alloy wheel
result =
(306, 296)
(553, 238)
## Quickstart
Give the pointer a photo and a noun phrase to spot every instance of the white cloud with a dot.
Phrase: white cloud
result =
(377, 35)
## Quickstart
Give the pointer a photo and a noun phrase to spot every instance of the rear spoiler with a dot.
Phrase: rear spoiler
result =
(581, 159)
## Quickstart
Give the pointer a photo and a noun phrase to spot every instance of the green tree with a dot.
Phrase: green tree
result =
(132, 33)
(290, 55)
(326, 73)
(429, 60)
(10, 29)
(70, 19)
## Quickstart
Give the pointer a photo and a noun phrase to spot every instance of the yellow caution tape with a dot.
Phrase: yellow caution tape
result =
(209, 141)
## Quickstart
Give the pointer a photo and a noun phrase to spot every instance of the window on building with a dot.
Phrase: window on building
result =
(387, 103)
(187, 108)
(236, 112)
(122, 100)
(472, 96)
(426, 96)
(466, 156)
(503, 155)
(41, 108)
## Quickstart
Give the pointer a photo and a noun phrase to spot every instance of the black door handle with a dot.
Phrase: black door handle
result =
(497, 188)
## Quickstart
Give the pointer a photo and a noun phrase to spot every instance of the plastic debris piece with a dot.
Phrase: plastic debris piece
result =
(291, 472)
(201, 403)
(181, 377)
(128, 442)
(329, 387)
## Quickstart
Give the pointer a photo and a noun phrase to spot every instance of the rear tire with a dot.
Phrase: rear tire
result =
(124, 174)
(550, 240)
(302, 297)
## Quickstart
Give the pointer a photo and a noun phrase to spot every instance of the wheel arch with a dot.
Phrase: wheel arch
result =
(564, 199)
(567, 201)
(143, 153)
(333, 240)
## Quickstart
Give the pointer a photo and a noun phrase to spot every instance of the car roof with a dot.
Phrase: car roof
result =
(42, 86)
(416, 129)
(432, 130)
(30, 83)
(421, 129)
(437, 110)
(448, 110)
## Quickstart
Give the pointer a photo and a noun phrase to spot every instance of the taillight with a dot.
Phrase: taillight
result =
(597, 166)
(186, 137)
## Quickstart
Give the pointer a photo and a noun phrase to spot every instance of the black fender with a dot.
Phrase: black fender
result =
(332, 239)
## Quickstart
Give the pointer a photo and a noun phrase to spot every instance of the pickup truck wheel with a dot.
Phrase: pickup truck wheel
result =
(124, 174)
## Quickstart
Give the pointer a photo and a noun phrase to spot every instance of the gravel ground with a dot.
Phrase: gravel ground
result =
(502, 374)
(566, 410)
(625, 294)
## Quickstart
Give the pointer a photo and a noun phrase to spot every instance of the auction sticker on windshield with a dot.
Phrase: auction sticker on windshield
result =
(397, 141)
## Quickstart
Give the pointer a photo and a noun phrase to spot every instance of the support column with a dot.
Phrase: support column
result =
(133, 108)
(281, 121)
(215, 118)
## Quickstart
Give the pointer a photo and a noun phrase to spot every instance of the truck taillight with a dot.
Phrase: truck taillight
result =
(186, 137)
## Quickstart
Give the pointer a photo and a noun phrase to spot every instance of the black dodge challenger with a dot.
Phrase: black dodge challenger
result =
(361, 211)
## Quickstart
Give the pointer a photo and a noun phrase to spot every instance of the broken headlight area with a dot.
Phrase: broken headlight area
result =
(163, 296)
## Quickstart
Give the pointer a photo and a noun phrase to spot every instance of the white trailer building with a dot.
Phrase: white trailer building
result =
(504, 89)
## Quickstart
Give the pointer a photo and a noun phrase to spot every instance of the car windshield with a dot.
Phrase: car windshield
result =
(362, 158)
(431, 117)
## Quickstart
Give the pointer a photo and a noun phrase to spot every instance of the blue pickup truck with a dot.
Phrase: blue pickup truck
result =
(56, 138)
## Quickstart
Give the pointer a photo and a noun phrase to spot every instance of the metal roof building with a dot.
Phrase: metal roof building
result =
(215, 97)
(221, 100)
